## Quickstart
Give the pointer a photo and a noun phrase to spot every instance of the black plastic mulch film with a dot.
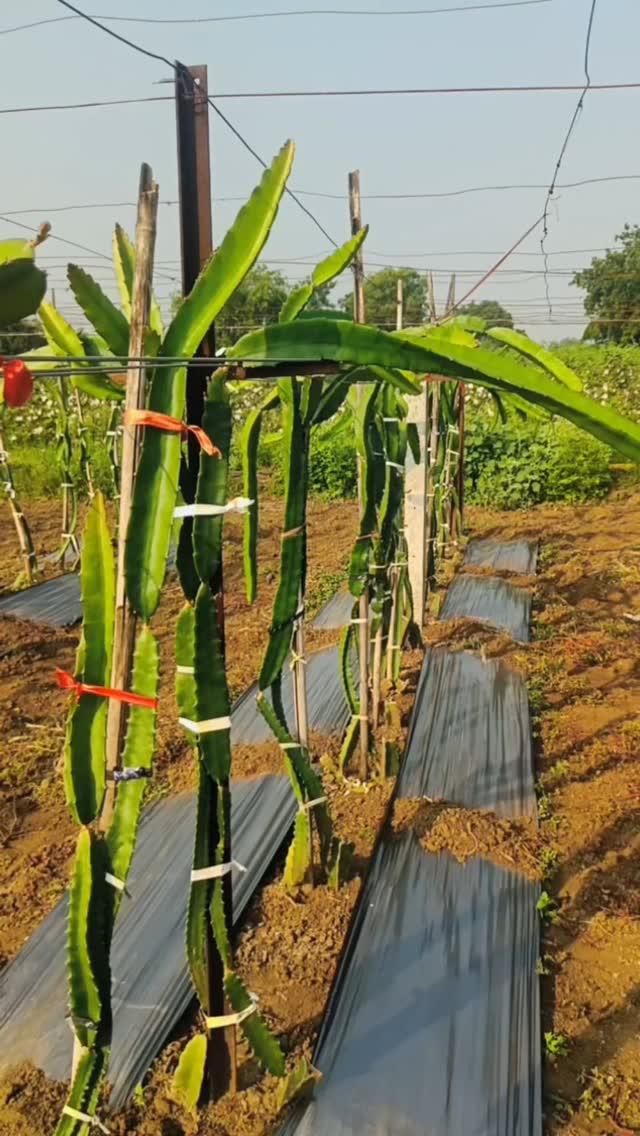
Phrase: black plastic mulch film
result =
(151, 987)
(433, 1027)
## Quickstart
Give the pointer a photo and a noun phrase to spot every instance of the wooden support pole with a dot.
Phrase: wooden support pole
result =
(433, 429)
(399, 303)
(363, 612)
(23, 532)
(125, 620)
(395, 572)
(196, 242)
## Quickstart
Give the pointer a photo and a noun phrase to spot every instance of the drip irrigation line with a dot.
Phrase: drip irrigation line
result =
(248, 16)
(563, 149)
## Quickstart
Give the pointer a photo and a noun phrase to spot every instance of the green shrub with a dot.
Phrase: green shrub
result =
(332, 467)
(515, 466)
(333, 470)
(610, 373)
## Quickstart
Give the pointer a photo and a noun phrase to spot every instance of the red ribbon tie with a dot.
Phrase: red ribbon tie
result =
(67, 682)
(173, 425)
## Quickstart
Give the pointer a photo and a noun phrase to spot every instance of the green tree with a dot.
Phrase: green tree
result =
(489, 310)
(380, 291)
(258, 301)
(612, 286)
(255, 302)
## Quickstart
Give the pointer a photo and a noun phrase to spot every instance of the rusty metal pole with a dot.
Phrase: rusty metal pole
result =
(363, 612)
(196, 245)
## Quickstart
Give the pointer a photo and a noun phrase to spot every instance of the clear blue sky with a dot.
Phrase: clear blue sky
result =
(400, 144)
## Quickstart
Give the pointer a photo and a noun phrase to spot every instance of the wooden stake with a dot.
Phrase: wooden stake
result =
(82, 430)
(363, 605)
(399, 303)
(433, 420)
(23, 532)
(431, 299)
(125, 620)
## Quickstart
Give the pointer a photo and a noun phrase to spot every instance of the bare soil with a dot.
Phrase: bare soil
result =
(583, 670)
(290, 946)
(463, 833)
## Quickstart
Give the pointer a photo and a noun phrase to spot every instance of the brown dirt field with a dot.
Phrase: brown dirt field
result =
(37, 836)
(583, 669)
(463, 833)
(290, 945)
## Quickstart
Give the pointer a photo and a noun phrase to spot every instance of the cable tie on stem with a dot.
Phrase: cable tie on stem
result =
(118, 884)
(215, 871)
(207, 726)
(290, 533)
(85, 1118)
(222, 1021)
(235, 505)
(67, 682)
(160, 421)
(305, 806)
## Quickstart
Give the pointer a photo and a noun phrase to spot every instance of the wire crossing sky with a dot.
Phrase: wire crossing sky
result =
(444, 177)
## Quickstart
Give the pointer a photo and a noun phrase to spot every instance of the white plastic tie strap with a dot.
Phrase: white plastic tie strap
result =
(84, 1118)
(395, 465)
(359, 619)
(224, 1020)
(215, 871)
(185, 670)
(290, 745)
(360, 717)
(208, 726)
(236, 505)
(119, 885)
(390, 419)
(305, 806)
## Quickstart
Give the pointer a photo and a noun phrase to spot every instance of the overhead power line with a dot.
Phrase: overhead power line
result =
(567, 138)
(84, 106)
(557, 88)
(295, 13)
(163, 59)
(342, 196)
(247, 16)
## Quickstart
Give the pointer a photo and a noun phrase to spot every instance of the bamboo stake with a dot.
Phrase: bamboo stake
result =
(363, 604)
(395, 572)
(399, 303)
(84, 451)
(432, 456)
(125, 621)
(23, 532)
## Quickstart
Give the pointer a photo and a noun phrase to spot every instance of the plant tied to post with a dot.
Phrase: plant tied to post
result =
(304, 404)
(386, 365)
